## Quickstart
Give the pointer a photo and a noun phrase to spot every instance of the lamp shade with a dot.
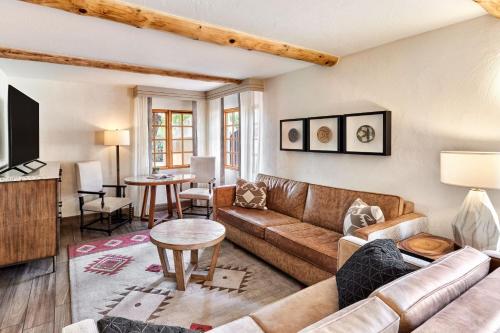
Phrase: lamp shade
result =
(117, 138)
(471, 169)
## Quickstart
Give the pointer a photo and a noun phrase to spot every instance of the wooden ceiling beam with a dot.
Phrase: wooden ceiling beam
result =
(491, 6)
(83, 62)
(141, 17)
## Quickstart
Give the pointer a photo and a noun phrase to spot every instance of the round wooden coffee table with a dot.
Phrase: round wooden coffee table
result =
(183, 235)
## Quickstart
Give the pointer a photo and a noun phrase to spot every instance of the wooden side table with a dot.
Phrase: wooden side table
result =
(187, 235)
(150, 187)
(426, 246)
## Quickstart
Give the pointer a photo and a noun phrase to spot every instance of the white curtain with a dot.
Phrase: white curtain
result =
(214, 134)
(251, 104)
(141, 147)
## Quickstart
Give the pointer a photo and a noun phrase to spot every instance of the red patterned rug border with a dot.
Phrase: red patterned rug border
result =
(109, 243)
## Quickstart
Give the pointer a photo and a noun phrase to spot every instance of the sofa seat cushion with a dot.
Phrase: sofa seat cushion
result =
(477, 310)
(299, 310)
(308, 242)
(418, 296)
(370, 315)
(253, 221)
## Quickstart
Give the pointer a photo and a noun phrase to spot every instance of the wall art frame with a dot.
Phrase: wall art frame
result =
(293, 134)
(325, 134)
(367, 133)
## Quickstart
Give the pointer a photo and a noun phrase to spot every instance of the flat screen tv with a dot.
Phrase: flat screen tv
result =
(23, 128)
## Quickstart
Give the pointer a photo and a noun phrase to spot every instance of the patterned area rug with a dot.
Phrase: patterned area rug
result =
(121, 276)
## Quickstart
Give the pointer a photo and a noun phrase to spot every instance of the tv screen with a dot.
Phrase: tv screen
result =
(23, 128)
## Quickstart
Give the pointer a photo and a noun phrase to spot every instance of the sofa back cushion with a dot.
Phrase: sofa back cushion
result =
(284, 195)
(477, 310)
(370, 315)
(326, 206)
(416, 297)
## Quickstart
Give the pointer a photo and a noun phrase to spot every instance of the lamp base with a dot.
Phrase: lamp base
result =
(476, 223)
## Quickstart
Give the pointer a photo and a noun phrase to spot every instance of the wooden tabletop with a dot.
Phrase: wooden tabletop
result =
(427, 246)
(145, 181)
(187, 234)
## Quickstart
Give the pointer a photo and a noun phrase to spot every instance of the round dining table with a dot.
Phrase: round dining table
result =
(150, 183)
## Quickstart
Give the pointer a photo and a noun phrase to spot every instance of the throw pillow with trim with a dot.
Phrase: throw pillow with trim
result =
(361, 215)
(250, 194)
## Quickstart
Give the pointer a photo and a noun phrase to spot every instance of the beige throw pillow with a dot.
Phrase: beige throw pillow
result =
(250, 195)
(361, 215)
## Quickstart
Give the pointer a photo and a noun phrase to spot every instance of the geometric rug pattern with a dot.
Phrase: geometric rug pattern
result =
(122, 276)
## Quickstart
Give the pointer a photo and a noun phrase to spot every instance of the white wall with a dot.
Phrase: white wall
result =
(443, 89)
(72, 118)
(4, 159)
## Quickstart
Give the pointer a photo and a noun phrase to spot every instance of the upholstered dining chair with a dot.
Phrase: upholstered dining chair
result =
(204, 170)
(94, 199)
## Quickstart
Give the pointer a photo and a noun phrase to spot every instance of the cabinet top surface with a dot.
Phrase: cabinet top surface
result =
(50, 171)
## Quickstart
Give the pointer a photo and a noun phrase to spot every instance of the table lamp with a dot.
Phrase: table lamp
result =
(117, 138)
(476, 223)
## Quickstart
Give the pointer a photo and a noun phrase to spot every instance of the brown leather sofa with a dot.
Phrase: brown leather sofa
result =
(458, 293)
(300, 230)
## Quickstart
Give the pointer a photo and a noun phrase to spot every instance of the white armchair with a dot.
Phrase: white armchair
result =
(204, 170)
(90, 186)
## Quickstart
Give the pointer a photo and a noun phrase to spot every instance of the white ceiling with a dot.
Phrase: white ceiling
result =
(340, 27)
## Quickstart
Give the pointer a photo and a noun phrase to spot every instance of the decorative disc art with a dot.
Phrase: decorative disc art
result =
(293, 135)
(324, 134)
(365, 134)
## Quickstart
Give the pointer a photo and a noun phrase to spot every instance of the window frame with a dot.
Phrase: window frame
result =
(233, 142)
(169, 140)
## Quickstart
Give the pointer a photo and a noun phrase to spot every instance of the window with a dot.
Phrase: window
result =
(232, 138)
(172, 138)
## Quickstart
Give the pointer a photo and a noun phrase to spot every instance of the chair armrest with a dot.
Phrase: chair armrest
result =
(397, 229)
(115, 186)
(84, 326)
(101, 195)
(223, 197)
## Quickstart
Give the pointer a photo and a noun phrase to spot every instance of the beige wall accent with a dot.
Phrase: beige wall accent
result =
(440, 99)
(169, 92)
(230, 89)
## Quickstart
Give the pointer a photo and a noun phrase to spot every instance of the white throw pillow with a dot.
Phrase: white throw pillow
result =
(361, 215)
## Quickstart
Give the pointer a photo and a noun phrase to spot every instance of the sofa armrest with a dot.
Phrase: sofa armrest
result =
(223, 197)
(350, 244)
(84, 326)
(495, 259)
(397, 229)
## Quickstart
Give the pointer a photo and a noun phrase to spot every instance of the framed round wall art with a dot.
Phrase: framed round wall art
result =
(293, 134)
(325, 134)
(368, 133)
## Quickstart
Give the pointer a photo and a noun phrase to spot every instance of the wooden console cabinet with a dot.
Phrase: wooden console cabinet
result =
(30, 215)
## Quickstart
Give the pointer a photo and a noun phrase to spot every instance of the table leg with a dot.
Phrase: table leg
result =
(213, 263)
(179, 270)
(169, 201)
(194, 257)
(152, 204)
(144, 202)
(178, 202)
(164, 261)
